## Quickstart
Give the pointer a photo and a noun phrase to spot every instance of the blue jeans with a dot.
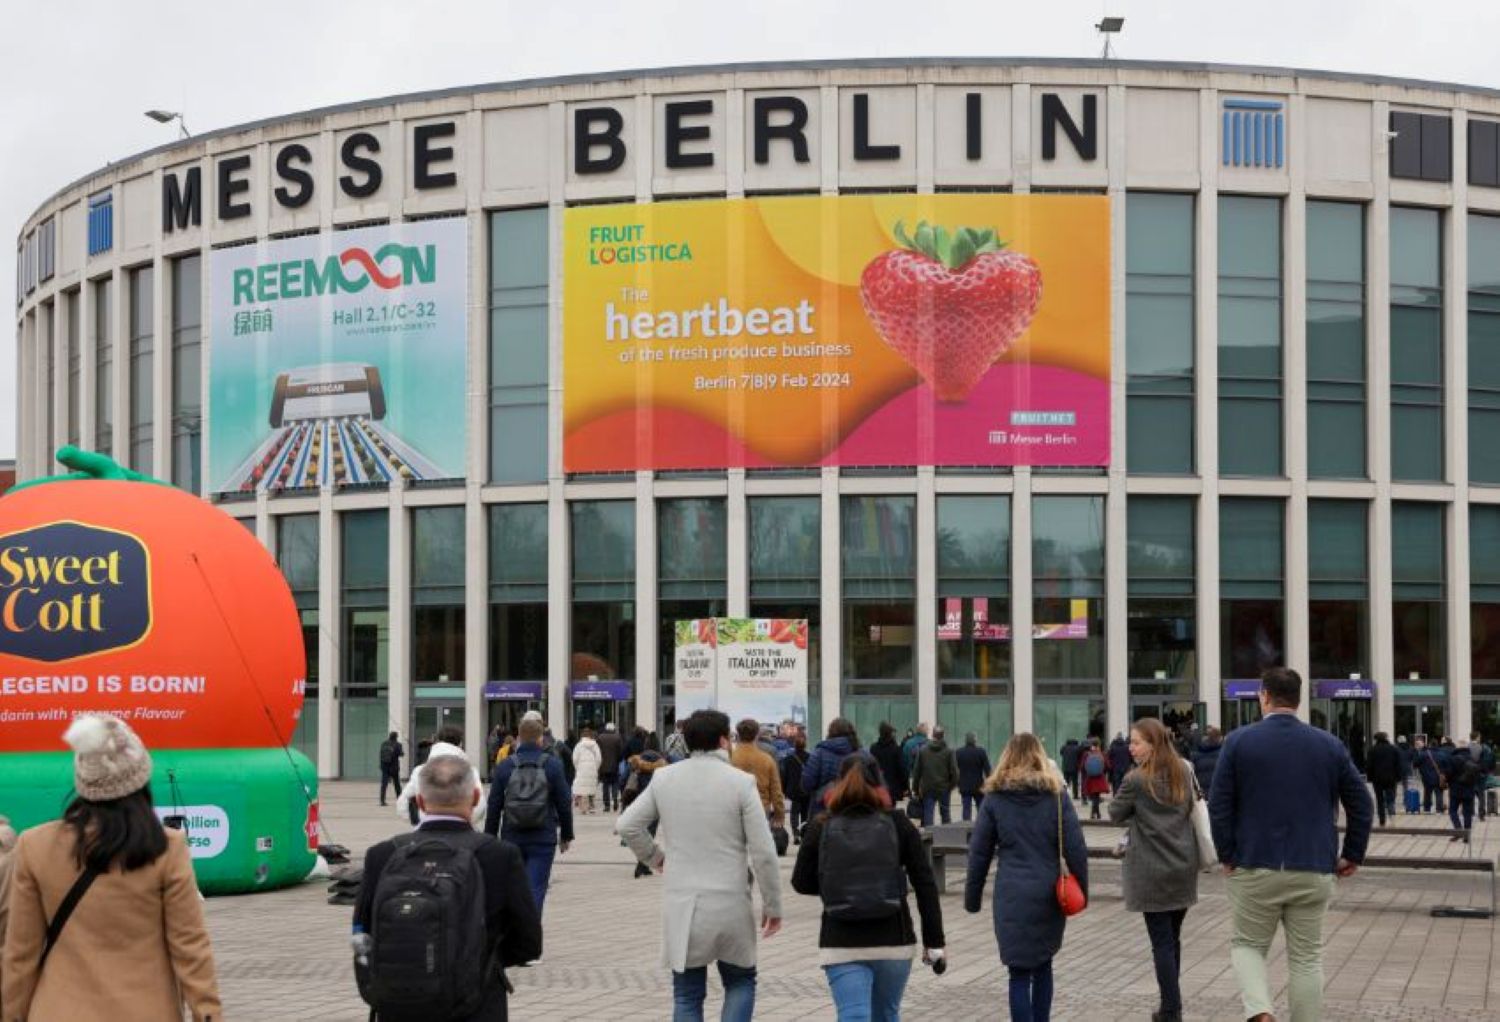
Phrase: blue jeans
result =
(940, 800)
(1031, 994)
(690, 987)
(971, 800)
(868, 991)
(538, 862)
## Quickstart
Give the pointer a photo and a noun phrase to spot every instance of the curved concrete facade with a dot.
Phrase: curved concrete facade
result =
(1416, 166)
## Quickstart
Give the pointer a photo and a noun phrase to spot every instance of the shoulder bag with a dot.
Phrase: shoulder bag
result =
(1070, 896)
(65, 911)
(1208, 856)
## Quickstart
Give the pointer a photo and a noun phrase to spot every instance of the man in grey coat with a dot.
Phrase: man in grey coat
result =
(712, 823)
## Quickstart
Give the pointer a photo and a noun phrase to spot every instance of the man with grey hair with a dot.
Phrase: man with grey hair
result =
(512, 931)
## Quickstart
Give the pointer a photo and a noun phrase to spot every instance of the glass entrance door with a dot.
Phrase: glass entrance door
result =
(1421, 719)
(1348, 720)
(1239, 712)
(428, 718)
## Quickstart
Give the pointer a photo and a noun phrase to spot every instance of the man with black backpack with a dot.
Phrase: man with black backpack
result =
(442, 911)
(390, 765)
(530, 803)
(1484, 755)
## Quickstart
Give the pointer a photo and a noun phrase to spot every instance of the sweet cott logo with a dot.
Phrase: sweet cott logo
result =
(351, 271)
(69, 590)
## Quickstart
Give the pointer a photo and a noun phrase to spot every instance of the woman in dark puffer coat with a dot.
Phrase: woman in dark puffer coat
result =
(822, 766)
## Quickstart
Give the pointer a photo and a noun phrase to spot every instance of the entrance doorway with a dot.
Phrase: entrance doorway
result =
(1348, 720)
(1238, 713)
(507, 713)
(1428, 719)
(428, 718)
(596, 713)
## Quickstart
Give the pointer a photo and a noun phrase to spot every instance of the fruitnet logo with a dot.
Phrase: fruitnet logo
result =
(69, 590)
(351, 271)
(627, 243)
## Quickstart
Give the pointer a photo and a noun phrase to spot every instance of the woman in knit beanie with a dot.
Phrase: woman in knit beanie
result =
(135, 946)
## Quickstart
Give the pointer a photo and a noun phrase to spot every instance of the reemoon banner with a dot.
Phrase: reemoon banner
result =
(339, 358)
(847, 330)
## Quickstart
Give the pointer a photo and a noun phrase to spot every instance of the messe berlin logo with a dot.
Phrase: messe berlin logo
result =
(351, 271)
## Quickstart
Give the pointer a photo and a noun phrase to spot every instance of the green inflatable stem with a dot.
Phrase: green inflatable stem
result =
(89, 465)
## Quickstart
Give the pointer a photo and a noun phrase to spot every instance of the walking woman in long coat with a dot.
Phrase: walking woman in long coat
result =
(1019, 821)
(1161, 860)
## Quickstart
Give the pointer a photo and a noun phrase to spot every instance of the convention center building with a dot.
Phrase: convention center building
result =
(1051, 394)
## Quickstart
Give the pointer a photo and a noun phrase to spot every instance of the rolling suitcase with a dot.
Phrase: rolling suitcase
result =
(1413, 801)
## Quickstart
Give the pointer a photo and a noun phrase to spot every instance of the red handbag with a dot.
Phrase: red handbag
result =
(1070, 896)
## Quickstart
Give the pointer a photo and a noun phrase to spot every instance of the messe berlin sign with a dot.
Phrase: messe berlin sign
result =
(840, 330)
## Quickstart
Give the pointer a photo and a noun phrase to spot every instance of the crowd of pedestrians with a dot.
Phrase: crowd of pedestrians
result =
(711, 810)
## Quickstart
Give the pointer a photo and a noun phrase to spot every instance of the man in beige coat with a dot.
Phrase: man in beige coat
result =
(712, 823)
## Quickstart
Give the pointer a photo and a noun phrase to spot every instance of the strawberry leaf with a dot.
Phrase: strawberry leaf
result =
(955, 250)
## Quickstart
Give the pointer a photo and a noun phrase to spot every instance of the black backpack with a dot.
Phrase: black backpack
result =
(429, 955)
(1470, 774)
(527, 797)
(859, 867)
(387, 754)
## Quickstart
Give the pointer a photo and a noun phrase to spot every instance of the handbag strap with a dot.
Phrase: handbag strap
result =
(65, 911)
(1062, 862)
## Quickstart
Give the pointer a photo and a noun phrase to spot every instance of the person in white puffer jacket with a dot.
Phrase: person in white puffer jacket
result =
(587, 758)
(445, 746)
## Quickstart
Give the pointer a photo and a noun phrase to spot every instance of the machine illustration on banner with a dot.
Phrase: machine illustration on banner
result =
(852, 330)
(391, 305)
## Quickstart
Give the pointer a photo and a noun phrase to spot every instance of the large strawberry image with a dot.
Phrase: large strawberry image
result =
(950, 304)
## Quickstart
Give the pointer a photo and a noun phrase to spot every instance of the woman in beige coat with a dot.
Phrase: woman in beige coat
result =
(135, 948)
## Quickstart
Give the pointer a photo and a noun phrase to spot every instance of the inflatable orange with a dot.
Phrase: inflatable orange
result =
(145, 602)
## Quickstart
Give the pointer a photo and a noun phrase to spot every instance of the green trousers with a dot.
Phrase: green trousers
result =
(1260, 900)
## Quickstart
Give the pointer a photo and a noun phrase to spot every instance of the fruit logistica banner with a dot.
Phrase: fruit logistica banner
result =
(339, 358)
(849, 330)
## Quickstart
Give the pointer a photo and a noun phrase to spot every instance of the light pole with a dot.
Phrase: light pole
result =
(1108, 28)
(167, 117)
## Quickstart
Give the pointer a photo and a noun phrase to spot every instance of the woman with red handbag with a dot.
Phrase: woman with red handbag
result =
(1027, 820)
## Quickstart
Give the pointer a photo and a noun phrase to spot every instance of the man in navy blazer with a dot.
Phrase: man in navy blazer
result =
(1274, 811)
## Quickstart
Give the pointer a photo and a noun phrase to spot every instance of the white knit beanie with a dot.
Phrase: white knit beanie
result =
(109, 761)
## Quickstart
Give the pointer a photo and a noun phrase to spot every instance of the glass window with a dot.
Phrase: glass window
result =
(1250, 355)
(1159, 333)
(1338, 588)
(1484, 348)
(1418, 572)
(518, 345)
(603, 540)
(1335, 340)
(187, 382)
(518, 592)
(104, 357)
(1161, 558)
(1484, 593)
(142, 345)
(71, 302)
(297, 554)
(366, 635)
(1251, 607)
(1416, 345)
(46, 350)
(879, 567)
(1067, 553)
(973, 564)
(437, 547)
(786, 545)
(692, 568)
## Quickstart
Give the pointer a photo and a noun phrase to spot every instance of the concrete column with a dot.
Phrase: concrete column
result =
(398, 597)
(1023, 681)
(25, 397)
(161, 368)
(1456, 412)
(1378, 318)
(330, 646)
(476, 617)
(120, 322)
(559, 608)
(1116, 569)
(926, 646)
(831, 694)
(1294, 391)
(737, 539)
(87, 353)
(646, 608)
(1206, 412)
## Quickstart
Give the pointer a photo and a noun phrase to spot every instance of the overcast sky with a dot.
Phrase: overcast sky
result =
(76, 76)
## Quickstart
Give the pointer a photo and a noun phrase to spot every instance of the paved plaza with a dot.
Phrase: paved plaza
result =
(284, 955)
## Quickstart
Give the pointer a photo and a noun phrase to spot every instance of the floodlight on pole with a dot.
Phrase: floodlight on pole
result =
(1108, 28)
(167, 117)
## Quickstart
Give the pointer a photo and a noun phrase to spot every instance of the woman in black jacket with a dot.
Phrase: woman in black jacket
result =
(887, 752)
(858, 857)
